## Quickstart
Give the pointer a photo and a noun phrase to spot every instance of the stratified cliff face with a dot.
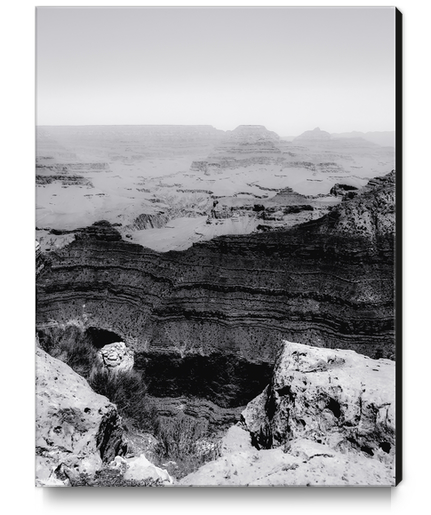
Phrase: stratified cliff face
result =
(245, 146)
(327, 283)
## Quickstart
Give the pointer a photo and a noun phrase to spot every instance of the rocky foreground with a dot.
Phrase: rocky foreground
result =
(79, 432)
(327, 418)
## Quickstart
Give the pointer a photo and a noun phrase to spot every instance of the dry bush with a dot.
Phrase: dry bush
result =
(128, 391)
(71, 345)
(111, 478)
(179, 440)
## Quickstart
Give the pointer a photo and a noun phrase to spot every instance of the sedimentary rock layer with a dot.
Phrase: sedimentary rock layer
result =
(329, 282)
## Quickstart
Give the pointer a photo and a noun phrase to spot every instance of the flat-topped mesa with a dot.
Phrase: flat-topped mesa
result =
(249, 138)
(122, 142)
(328, 283)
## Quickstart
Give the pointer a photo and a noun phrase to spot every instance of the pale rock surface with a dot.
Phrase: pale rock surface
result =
(140, 468)
(306, 464)
(326, 419)
(74, 426)
(116, 357)
(335, 397)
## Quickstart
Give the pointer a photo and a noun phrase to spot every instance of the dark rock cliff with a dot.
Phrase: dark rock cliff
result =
(328, 283)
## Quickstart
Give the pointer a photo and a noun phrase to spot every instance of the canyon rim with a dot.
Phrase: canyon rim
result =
(217, 247)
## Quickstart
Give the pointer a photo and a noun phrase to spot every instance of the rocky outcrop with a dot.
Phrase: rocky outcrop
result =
(102, 231)
(75, 427)
(115, 357)
(336, 398)
(148, 221)
(326, 419)
(80, 439)
(369, 215)
(328, 283)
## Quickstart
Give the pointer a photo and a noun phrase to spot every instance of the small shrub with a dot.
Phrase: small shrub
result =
(180, 440)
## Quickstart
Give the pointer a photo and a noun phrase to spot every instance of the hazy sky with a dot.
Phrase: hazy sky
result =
(290, 69)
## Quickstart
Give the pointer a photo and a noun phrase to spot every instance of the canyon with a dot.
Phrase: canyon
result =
(226, 304)
(167, 187)
(198, 253)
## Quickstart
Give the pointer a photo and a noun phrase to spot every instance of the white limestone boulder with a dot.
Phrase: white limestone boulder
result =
(141, 469)
(334, 397)
(75, 427)
(115, 357)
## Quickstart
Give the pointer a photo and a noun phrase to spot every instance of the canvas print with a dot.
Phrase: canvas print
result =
(217, 246)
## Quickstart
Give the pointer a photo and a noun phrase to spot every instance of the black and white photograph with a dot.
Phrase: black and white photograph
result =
(217, 247)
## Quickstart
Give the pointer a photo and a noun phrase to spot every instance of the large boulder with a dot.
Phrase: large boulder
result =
(334, 397)
(77, 430)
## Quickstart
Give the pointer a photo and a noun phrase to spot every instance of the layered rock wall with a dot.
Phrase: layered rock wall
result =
(329, 282)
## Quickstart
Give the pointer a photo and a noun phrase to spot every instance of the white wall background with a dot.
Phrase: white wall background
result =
(17, 373)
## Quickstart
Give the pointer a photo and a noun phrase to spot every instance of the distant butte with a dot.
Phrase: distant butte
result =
(315, 134)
